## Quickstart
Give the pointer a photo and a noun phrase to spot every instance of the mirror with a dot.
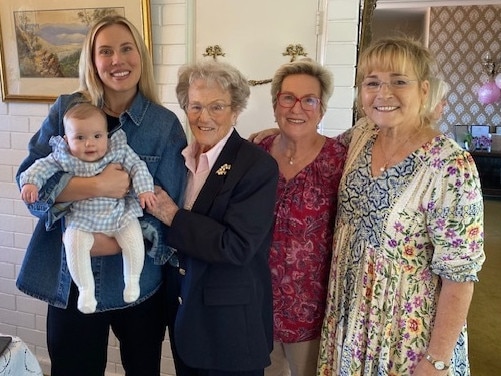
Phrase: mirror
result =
(368, 7)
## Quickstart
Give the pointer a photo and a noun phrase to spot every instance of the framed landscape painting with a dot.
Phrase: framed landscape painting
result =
(40, 42)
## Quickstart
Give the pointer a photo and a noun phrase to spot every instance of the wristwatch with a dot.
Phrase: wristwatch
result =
(438, 364)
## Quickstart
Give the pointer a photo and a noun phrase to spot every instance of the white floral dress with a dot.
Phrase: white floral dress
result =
(395, 236)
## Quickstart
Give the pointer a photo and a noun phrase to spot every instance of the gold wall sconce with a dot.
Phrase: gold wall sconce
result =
(259, 82)
(294, 50)
(490, 92)
(491, 66)
(214, 51)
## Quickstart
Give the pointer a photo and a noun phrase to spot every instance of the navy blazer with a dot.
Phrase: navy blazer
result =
(225, 318)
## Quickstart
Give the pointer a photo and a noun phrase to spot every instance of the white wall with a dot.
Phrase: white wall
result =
(25, 317)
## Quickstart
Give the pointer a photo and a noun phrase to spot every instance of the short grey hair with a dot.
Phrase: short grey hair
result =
(226, 76)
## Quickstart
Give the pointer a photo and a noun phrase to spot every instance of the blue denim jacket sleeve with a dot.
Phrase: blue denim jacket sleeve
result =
(38, 147)
(168, 170)
(154, 233)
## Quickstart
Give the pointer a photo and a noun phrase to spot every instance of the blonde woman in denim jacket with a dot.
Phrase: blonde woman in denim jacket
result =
(116, 74)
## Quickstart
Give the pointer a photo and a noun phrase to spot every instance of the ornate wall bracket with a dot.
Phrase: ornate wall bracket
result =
(294, 50)
(259, 82)
(214, 51)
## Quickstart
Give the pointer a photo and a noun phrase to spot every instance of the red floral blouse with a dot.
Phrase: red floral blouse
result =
(301, 250)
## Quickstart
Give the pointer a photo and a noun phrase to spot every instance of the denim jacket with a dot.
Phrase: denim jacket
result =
(157, 136)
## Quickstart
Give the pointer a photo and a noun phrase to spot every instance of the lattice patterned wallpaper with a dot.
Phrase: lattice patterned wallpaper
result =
(459, 36)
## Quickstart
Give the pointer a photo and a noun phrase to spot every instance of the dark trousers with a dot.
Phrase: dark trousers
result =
(78, 342)
(205, 372)
(201, 372)
(172, 281)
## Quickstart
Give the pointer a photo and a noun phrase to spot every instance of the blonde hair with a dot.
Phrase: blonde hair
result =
(397, 55)
(83, 110)
(436, 97)
(91, 85)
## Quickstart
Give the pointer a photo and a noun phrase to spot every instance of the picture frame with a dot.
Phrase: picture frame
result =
(40, 43)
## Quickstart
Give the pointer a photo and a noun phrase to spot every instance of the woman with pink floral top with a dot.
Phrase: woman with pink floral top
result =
(310, 167)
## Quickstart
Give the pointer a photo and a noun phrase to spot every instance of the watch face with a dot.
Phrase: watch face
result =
(439, 365)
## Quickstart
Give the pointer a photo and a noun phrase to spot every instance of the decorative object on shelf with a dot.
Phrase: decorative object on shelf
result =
(294, 50)
(483, 142)
(214, 51)
(476, 137)
(468, 142)
(490, 92)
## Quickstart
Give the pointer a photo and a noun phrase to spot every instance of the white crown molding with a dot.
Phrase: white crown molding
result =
(392, 4)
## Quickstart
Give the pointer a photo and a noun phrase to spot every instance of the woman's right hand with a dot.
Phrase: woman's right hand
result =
(113, 181)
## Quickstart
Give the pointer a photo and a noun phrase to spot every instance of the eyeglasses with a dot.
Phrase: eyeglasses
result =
(214, 109)
(308, 102)
(374, 86)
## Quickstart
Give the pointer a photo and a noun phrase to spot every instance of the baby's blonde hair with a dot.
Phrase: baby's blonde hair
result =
(83, 110)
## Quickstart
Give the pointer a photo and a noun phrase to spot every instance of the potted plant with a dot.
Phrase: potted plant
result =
(468, 141)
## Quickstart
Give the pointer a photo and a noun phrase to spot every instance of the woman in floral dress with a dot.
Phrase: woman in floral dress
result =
(408, 239)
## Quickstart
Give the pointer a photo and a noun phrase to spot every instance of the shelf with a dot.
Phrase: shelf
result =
(484, 153)
(489, 170)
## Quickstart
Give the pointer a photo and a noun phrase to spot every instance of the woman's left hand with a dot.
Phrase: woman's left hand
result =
(164, 208)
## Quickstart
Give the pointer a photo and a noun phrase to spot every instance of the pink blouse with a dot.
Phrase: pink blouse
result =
(300, 253)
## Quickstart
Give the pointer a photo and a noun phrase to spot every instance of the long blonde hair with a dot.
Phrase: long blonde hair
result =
(91, 85)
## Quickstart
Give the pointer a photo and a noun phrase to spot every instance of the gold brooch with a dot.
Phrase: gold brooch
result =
(223, 169)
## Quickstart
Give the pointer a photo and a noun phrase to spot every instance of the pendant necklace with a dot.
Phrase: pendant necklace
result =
(388, 160)
(290, 158)
(304, 156)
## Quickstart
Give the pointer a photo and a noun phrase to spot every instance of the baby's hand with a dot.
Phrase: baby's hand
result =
(29, 193)
(147, 200)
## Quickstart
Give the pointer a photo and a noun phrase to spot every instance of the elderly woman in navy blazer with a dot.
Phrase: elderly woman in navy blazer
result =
(222, 234)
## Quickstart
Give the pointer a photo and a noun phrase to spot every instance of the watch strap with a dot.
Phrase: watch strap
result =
(438, 364)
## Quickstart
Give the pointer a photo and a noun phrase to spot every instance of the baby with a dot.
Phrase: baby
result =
(85, 150)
